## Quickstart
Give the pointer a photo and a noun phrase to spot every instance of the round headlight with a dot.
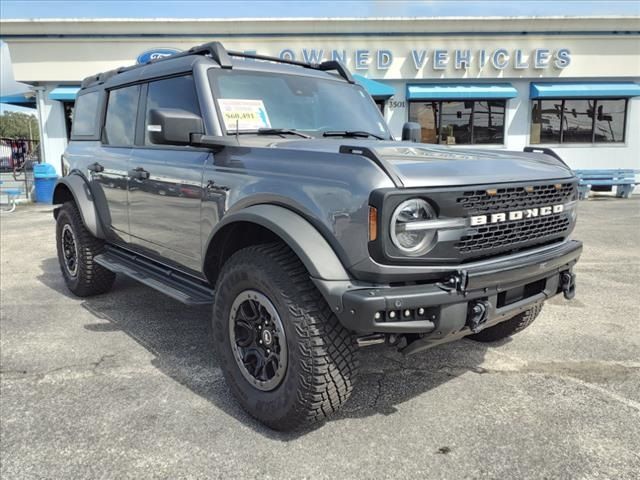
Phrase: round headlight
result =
(412, 242)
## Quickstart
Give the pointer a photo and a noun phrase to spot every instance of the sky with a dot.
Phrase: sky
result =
(309, 8)
(305, 8)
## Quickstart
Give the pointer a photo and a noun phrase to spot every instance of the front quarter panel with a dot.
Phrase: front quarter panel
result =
(330, 190)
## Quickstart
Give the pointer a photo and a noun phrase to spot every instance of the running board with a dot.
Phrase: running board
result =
(177, 285)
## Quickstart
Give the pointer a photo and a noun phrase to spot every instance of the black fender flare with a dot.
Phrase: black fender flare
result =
(302, 237)
(83, 197)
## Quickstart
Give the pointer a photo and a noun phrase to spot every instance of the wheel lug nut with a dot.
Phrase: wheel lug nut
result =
(260, 342)
(259, 327)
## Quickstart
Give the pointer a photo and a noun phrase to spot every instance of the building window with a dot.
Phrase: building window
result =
(120, 124)
(610, 123)
(462, 122)
(578, 121)
(488, 122)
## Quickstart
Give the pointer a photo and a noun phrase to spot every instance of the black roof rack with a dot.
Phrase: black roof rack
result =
(324, 66)
(214, 49)
(223, 57)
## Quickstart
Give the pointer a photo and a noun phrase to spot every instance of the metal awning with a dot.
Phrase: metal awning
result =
(19, 100)
(378, 90)
(585, 90)
(461, 91)
(64, 93)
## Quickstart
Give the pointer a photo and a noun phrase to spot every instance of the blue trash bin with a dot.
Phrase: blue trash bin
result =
(44, 179)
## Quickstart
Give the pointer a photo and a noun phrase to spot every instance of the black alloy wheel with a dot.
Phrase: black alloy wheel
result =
(69, 250)
(258, 340)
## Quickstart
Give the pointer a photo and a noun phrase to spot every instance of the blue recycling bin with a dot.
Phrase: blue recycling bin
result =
(44, 179)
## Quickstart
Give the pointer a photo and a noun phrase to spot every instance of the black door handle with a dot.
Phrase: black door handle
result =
(212, 186)
(95, 168)
(139, 173)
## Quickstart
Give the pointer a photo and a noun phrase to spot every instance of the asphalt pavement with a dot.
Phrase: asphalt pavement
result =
(124, 385)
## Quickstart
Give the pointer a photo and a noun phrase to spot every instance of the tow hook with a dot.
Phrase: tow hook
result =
(477, 315)
(453, 283)
(568, 284)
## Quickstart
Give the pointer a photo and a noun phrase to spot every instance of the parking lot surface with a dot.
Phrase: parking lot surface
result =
(124, 385)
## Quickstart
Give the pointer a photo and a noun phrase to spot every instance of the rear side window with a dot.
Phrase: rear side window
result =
(177, 92)
(85, 114)
(120, 123)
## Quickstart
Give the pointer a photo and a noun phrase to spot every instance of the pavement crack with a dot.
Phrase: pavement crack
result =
(93, 367)
(101, 360)
(588, 371)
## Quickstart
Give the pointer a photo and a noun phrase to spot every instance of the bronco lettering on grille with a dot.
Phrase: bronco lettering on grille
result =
(516, 215)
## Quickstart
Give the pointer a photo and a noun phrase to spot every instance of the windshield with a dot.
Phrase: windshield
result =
(250, 101)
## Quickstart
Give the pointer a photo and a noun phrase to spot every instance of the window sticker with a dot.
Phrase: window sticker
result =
(243, 114)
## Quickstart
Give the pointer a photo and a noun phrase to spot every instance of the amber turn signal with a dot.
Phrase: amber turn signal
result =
(373, 223)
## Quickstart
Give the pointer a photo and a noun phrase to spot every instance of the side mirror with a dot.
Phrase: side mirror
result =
(412, 132)
(172, 126)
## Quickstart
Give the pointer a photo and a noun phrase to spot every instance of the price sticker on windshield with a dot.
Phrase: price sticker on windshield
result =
(243, 114)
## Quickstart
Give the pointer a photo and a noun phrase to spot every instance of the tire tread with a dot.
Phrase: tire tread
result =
(92, 278)
(328, 351)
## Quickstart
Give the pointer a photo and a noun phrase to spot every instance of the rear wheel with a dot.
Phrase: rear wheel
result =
(284, 354)
(508, 327)
(77, 248)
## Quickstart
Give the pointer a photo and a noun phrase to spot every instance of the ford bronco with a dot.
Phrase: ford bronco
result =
(274, 191)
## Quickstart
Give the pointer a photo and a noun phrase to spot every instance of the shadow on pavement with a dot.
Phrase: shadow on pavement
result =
(179, 338)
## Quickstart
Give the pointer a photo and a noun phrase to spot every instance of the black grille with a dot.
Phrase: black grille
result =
(512, 234)
(476, 202)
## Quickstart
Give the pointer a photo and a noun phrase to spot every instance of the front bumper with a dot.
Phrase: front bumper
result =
(443, 310)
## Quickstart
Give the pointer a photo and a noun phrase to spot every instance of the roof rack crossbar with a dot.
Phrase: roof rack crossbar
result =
(324, 66)
(337, 66)
(257, 56)
(216, 50)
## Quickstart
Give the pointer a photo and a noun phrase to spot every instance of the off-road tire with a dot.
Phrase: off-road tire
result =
(91, 278)
(322, 362)
(508, 327)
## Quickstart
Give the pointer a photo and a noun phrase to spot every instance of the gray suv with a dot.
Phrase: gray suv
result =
(273, 191)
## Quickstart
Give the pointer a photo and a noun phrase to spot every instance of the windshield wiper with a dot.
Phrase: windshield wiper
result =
(281, 131)
(351, 133)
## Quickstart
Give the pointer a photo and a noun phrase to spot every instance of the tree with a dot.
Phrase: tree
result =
(19, 125)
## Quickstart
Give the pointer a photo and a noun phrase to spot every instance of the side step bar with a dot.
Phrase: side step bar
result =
(177, 285)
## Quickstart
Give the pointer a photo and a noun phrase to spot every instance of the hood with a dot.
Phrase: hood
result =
(424, 165)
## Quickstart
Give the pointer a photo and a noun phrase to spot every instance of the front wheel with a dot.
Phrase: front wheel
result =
(284, 354)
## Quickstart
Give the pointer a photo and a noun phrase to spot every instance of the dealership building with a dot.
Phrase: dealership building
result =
(568, 83)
